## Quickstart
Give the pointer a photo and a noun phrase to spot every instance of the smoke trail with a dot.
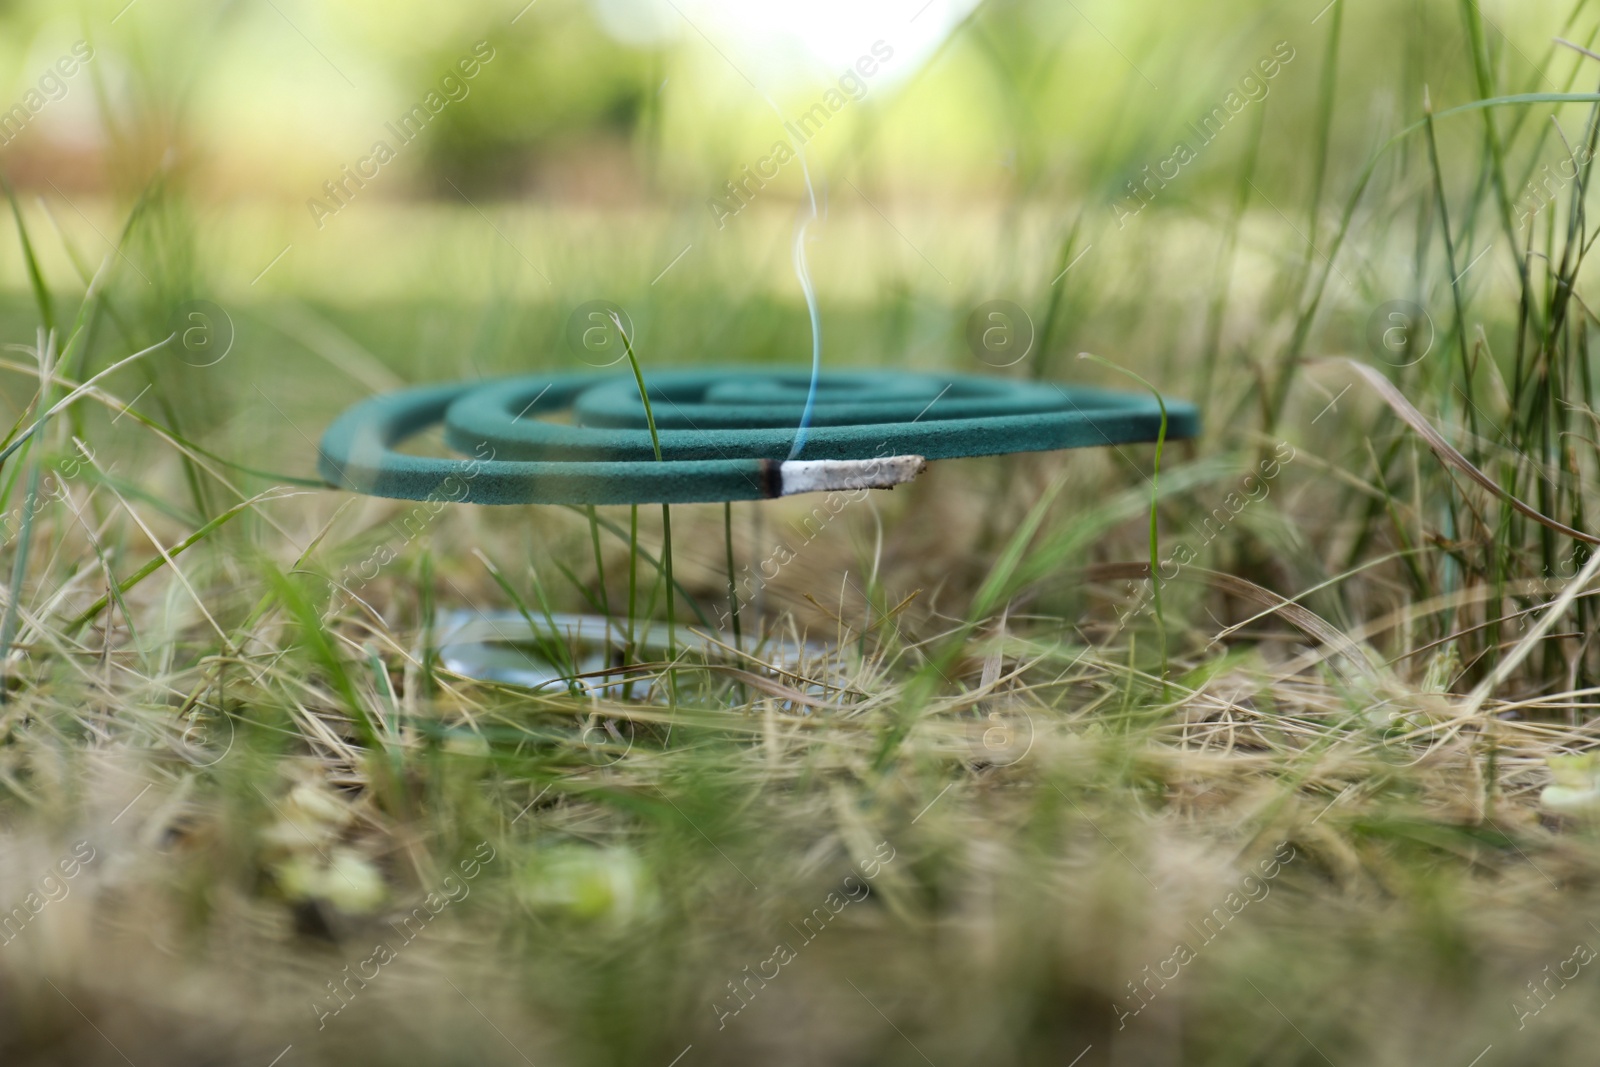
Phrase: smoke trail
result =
(804, 273)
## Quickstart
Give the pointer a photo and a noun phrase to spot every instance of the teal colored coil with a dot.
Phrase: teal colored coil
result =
(725, 433)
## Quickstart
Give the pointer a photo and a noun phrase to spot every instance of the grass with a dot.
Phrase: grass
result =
(1276, 747)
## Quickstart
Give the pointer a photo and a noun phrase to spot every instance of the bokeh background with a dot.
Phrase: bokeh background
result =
(584, 155)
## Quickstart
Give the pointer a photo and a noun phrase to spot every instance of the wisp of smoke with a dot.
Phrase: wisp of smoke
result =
(804, 273)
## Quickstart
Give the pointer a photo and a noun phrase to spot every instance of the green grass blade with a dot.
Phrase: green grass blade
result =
(41, 292)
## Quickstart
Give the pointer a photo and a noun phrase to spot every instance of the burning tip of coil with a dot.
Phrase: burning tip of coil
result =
(828, 475)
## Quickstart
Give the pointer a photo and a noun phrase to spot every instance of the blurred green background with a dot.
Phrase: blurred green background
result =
(584, 155)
